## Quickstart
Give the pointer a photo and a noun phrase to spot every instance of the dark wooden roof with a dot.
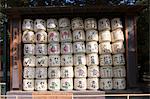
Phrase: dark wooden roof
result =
(125, 9)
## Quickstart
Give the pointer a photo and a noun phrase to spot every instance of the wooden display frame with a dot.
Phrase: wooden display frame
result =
(16, 15)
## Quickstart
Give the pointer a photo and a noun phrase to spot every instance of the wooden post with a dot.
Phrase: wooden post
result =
(131, 51)
(15, 54)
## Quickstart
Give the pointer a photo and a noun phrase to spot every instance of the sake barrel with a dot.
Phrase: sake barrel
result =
(29, 61)
(119, 71)
(41, 61)
(53, 72)
(105, 48)
(78, 47)
(105, 60)
(80, 71)
(41, 36)
(66, 72)
(78, 35)
(90, 23)
(66, 48)
(40, 72)
(29, 72)
(118, 59)
(104, 36)
(116, 23)
(79, 59)
(106, 84)
(91, 35)
(66, 84)
(92, 59)
(93, 83)
(103, 24)
(39, 24)
(77, 23)
(119, 83)
(118, 47)
(92, 47)
(106, 72)
(52, 24)
(53, 48)
(54, 60)
(41, 84)
(54, 84)
(66, 60)
(53, 36)
(28, 84)
(27, 24)
(65, 35)
(28, 37)
(64, 23)
(41, 49)
(117, 35)
(29, 49)
(80, 84)
(93, 71)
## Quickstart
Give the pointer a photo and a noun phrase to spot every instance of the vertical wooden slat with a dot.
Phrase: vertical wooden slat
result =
(131, 51)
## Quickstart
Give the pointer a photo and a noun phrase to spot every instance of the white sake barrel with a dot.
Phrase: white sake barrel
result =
(27, 24)
(117, 35)
(105, 48)
(41, 84)
(90, 23)
(66, 84)
(29, 49)
(93, 83)
(66, 60)
(53, 48)
(28, 84)
(92, 47)
(41, 61)
(118, 47)
(92, 59)
(29, 61)
(41, 36)
(52, 24)
(39, 24)
(65, 35)
(54, 60)
(53, 36)
(77, 23)
(29, 72)
(104, 36)
(40, 72)
(78, 47)
(64, 23)
(80, 84)
(119, 71)
(66, 48)
(78, 35)
(106, 72)
(106, 84)
(93, 71)
(79, 59)
(66, 72)
(105, 60)
(103, 24)
(80, 71)
(119, 83)
(116, 23)
(41, 49)
(54, 72)
(118, 59)
(54, 84)
(91, 35)
(28, 37)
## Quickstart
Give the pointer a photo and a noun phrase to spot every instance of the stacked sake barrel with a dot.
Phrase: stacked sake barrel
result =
(80, 69)
(92, 53)
(66, 54)
(54, 55)
(105, 51)
(119, 72)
